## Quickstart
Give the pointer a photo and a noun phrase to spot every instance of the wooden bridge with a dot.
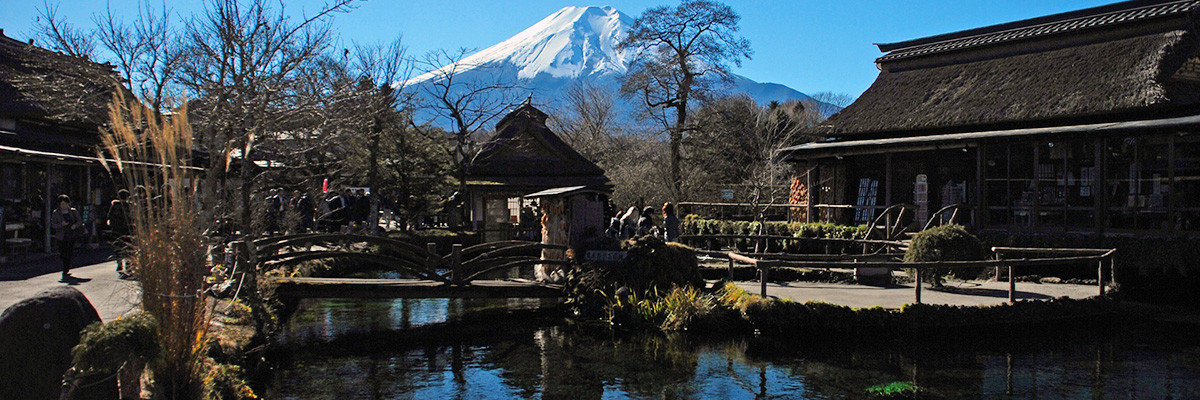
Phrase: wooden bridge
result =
(463, 273)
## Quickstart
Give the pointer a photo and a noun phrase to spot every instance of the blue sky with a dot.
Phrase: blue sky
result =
(811, 46)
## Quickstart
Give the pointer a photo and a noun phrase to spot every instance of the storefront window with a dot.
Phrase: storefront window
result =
(1138, 182)
(1186, 192)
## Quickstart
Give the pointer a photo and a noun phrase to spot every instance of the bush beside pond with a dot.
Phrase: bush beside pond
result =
(728, 307)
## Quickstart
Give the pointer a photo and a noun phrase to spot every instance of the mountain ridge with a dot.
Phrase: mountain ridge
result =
(572, 46)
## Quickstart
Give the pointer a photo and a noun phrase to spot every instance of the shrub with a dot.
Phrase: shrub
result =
(895, 390)
(944, 243)
(104, 348)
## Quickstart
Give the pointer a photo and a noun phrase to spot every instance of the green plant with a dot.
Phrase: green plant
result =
(895, 390)
(944, 243)
(104, 348)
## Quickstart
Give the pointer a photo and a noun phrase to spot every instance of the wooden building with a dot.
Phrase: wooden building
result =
(51, 108)
(525, 157)
(1086, 121)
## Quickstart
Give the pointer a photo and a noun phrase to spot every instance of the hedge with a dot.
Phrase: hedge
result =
(694, 225)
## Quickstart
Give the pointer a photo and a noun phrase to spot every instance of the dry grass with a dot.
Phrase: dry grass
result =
(153, 152)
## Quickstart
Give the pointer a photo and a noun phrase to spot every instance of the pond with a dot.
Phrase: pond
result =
(497, 349)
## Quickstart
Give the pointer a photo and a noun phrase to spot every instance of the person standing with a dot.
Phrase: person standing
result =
(614, 226)
(670, 222)
(629, 223)
(68, 226)
(645, 224)
(119, 229)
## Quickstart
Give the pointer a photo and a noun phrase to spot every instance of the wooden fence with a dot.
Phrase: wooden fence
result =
(1009, 258)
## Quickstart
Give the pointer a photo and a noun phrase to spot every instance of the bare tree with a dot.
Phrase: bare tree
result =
(248, 67)
(463, 105)
(589, 121)
(680, 51)
(62, 36)
(147, 52)
(828, 103)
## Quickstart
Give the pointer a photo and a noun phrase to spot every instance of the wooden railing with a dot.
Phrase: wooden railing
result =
(1003, 260)
(459, 267)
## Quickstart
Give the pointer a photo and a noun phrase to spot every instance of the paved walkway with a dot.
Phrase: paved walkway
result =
(113, 297)
(971, 293)
(98, 281)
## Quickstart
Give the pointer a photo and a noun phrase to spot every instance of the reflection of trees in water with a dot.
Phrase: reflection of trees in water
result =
(578, 365)
(521, 357)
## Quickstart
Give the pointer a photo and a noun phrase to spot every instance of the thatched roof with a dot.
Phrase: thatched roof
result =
(525, 154)
(40, 84)
(1104, 64)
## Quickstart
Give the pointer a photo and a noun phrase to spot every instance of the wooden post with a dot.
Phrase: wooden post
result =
(730, 269)
(456, 263)
(811, 205)
(917, 289)
(762, 277)
(1012, 287)
(1100, 276)
(431, 259)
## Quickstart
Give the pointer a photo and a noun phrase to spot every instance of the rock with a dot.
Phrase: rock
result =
(36, 337)
(1050, 279)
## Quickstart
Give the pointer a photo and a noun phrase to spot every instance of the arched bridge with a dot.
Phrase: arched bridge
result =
(463, 273)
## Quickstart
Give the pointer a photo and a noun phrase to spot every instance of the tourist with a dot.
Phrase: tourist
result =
(119, 230)
(68, 226)
(274, 210)
(362, 208)
(614, 226)
(629, 223)
(305, 209)
(670, 222)
(645, 224)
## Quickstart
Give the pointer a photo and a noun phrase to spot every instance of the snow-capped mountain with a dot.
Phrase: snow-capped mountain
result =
(572, 45)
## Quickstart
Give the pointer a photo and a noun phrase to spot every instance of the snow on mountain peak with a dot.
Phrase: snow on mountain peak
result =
(573, 42)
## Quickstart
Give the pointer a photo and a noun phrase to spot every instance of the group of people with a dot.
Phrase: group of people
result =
(633, 222)
(293, 213)
(349, 209)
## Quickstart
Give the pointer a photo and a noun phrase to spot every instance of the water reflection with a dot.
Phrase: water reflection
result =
(410, 349)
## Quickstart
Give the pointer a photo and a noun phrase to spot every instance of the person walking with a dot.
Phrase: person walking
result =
(670, 222)
(68, 226)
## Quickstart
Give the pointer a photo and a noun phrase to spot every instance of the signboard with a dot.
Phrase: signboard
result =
(605, 256)
(727, 194)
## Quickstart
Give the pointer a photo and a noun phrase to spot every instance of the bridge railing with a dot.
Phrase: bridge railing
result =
(459, 267)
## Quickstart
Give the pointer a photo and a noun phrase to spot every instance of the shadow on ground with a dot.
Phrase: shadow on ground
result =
(41, 264)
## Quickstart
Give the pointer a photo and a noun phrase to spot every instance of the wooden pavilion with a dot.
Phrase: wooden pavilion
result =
(1086, 121)
(525, 157)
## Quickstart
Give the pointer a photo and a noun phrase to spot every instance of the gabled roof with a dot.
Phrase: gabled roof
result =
(1104, 64)
(525, 152)
(1069, 22)
(36, 83)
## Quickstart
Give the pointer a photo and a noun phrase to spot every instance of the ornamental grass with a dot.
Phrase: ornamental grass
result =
(152, 154)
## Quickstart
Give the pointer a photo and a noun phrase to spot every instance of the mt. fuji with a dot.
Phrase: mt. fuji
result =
(573, 45)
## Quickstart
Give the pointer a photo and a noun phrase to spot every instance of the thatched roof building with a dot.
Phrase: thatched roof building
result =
(1075, 121)
(54, 101)
(524, 157)
(51, 109)
(1127, 60)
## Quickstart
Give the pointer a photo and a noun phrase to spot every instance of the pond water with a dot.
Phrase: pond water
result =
(459, 349)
